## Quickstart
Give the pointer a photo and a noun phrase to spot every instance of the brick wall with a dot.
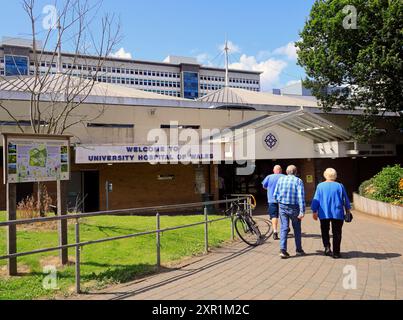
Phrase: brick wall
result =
(137, 185)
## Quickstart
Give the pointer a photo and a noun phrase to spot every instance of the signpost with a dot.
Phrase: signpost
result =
(108, 189)
(35, 158)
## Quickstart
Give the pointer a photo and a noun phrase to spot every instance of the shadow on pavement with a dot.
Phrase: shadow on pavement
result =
(309, 235)
(127, 294)
(370, 255)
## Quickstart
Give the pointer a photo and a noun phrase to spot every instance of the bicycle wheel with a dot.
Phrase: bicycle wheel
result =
(248, 232)
(264, 226)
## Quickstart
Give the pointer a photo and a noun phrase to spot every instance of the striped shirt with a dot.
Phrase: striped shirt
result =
(290, 190)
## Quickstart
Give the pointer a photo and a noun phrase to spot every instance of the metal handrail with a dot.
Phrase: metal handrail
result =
(158, 231)
(89, 242)
(115, 212)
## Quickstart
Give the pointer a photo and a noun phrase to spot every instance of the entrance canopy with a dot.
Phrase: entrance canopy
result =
(300, 121)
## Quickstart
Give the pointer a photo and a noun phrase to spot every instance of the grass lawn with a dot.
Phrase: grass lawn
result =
(104, 263)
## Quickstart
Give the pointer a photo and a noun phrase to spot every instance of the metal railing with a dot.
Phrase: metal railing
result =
(78, 245)
(248, 197)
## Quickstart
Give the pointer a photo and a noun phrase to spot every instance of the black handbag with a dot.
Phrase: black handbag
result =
(348, 217)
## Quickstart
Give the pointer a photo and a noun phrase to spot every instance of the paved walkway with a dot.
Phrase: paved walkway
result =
(374, 247)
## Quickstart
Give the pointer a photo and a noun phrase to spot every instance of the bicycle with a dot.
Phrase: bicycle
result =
(252, 230)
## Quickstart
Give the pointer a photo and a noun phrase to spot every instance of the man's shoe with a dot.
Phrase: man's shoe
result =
(300, 253)
(275, 236)
(284, 254)
(328, 251)
(336, 255)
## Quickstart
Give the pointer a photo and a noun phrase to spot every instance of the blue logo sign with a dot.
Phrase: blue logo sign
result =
(271, 141)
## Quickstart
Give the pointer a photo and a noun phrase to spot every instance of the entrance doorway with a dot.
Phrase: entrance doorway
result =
(240, 184)
(83, 191)
(252, 184)
(91, 190)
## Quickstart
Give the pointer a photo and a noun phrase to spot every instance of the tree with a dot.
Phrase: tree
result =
(55, 97)
(354, 47)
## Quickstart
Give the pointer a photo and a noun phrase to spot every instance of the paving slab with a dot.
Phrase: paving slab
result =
(372, 248)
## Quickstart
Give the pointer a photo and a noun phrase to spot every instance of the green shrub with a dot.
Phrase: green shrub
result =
(386, 186)
(365, 187)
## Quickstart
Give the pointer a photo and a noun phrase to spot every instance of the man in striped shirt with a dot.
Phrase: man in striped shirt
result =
(290, 195)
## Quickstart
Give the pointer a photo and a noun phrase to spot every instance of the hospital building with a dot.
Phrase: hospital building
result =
(289, 128)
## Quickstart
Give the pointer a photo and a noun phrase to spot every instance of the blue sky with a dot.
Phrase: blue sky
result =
(261, 32)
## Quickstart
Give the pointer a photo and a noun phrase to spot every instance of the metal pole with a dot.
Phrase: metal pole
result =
(107, 195)
(158, 241)
(62, 224)
(78, 249)
(232, 224)
(205, 230)
(226, 49)
(11, 190)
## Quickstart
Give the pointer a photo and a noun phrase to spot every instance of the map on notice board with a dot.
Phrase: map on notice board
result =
(37, 160)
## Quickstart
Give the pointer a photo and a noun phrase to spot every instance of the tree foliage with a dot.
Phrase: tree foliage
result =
(362, 62)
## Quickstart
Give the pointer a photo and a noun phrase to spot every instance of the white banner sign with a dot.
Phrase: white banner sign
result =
(147, 154)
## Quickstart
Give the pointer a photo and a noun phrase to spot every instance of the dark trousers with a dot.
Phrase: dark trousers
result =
(337, 226)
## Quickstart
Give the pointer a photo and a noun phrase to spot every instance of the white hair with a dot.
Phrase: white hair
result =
(291, 170)
(330, 174)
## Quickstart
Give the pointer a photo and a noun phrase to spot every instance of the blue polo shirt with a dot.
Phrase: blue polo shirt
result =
(270, 183)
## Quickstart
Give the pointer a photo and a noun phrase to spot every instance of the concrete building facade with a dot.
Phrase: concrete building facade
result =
(175, 76)
(288, 130)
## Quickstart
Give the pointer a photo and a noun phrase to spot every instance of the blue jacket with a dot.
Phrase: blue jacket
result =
(330, 201)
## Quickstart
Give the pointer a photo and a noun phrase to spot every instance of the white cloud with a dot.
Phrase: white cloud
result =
(264, 55)
(233, 48)
(271, 63)
(271, 68)
(289, 83)
(121, 53)
(289, 50)
(204, 59)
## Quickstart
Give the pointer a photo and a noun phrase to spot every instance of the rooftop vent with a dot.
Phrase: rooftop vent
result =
(19, 42)
(180, 60)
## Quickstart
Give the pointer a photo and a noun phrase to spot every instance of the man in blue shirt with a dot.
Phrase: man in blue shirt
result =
(269, 183)
(290, 195)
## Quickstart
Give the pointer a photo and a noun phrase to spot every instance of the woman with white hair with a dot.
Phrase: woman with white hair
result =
(330, 204)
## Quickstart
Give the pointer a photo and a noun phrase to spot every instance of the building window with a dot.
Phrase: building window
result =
(168, 126)
(16, 65)
(110, 125)
(23, 123)
(190, 85)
